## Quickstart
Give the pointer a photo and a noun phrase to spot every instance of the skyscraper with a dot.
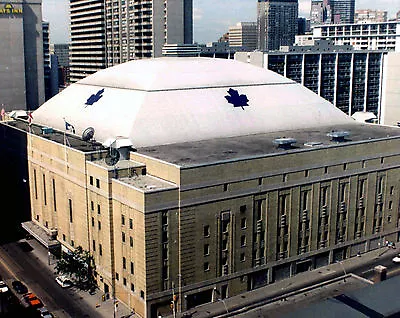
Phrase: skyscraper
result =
(243, 34)
(277, 23)
(342, 11)
(87, 48)
(110, 32)
(320, 12)
(21, 55)
(139, 29)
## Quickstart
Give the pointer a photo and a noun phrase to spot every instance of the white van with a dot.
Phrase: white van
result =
(64, 281)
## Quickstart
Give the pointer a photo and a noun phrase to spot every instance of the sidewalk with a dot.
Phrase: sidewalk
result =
(288, 287)
(103, 308)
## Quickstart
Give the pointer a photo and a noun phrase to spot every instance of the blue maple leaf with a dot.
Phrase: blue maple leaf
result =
(236, 99)
(94, 98)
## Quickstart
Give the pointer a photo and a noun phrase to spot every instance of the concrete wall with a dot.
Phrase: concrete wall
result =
(390, 90)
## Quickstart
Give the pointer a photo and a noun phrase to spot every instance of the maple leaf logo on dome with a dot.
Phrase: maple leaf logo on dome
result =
(236, 99)
(94, 98)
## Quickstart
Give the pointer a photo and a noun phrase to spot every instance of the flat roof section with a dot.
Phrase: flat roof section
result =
(212, 151)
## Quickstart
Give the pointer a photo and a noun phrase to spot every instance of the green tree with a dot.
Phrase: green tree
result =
(80, 266)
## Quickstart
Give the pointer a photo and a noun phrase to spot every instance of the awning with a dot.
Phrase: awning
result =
(40, 234)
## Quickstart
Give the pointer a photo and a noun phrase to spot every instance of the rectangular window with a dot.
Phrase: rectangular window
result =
(243, 223)
(124, 262)
(206, 266)
(72, 243)
(64, 238)
(206, 249)
(124, 281)
(130, 241)
(98, 209)
(98, 183)
(242, 257)
(54, 195)
(92, 221)
(44, 189)
(131, 224)
(132, 268)
(70, 210)
(116, 276)
(243, 208)
(206, 231)
(123, 237)
(92, 205)
(35, 184)
(100, 249)
(99, 225)
(91, 180)
(243, 240)
(123, 219)
(132, 287)
(94, 245)
(225, 187)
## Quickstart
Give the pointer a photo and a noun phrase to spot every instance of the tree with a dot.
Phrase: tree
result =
(80, 266)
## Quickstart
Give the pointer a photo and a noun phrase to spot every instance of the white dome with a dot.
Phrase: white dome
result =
(170, 100)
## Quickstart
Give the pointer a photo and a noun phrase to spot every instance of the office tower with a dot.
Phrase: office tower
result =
(61, 51)
(87, 31)
(139, 29)
(320, 12)
(243, 34)
(342, 11)
(46, 60)
(276, 23)
(368, 16)
(21, 55)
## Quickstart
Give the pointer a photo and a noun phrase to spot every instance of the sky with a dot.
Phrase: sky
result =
(211, 18)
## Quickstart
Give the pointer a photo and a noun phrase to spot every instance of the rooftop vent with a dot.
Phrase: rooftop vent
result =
(284, 142)
(339, 135)
(47, 130)
(313, 144)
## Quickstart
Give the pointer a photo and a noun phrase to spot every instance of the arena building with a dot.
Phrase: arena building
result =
(193, 179)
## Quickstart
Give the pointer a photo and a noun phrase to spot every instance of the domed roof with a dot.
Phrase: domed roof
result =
(170, 100)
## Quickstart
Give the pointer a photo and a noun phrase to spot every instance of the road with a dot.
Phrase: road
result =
(15, 263)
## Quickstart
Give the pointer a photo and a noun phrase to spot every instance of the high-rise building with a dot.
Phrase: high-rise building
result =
(276, 23)
(320, 12)
(87, 48)
(368, 16)
(61, 51)
(342, 11)
(21, 55)
(139, 29)
(110, 32)
(398, 16)
(46, 60)
(243, 34)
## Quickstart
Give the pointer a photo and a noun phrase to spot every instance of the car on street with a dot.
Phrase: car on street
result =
(3, 287)
(19, 287)
(396, 259)
(64, 281)
(44, 313)
(32, 300)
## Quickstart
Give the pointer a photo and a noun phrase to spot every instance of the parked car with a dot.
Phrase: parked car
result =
(19, 287)
(32, 300)
(396, 259)
(3, 287)
(44, 313)
(64, 281)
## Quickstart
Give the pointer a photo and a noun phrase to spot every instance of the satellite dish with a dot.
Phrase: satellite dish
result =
(88, 134)
(112, 157)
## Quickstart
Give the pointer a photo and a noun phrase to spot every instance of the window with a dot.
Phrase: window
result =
(131, 224)
(54, 195)
(98, 183)
(132, 268)
(242, 257)
(206, 266)
(224, 245)
(124, 262)
(225, 187)
(92, 205)
(122, 219)
(70, 210)
(243, 209)
(345, 166)
(44, 190)
(306, 173)
(100, 249)
(243, 240)
(35, 183)
(206, 249)
(243, 223)
(142, 294)
(392, 190)
(98, 209)
(91, 180)
(260, 181)
(124, 281)
(99, 225)
(284, 177)
(94, 245)
(130, 241)
(123, 237)
(116, 276)
(64, 238)
(326, 170)
(390, 205)
(92, 221)
(206, 230)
